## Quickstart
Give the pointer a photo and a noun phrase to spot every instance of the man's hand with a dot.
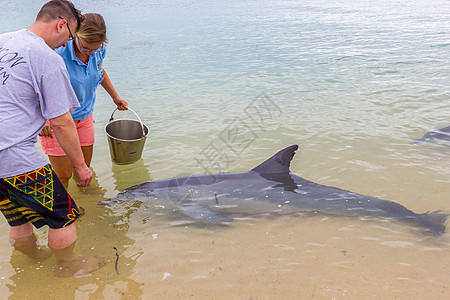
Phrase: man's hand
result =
(85, 176)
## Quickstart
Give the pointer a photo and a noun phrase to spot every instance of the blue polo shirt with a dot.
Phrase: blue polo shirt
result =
(84, 78)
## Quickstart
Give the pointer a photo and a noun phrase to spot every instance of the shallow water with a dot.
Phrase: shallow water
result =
(223, 86)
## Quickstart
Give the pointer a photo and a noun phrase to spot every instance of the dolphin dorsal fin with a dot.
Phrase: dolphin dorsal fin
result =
(279, 163)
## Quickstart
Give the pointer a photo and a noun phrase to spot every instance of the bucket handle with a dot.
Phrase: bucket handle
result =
(142, 125)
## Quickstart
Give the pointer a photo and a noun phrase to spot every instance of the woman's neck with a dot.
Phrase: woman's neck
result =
(81, 56)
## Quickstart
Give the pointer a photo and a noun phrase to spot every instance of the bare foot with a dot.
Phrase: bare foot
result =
(80, 266)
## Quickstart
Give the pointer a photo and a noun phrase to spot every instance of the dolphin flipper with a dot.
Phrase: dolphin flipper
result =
(204, 214)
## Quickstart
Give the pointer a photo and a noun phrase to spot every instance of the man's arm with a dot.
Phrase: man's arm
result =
(67, 136)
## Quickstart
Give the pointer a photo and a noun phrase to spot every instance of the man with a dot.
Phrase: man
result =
(34, 87)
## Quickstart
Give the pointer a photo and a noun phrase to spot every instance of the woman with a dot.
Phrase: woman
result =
(83, 56)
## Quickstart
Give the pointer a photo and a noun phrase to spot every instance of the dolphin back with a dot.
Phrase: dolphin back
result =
(279, 163)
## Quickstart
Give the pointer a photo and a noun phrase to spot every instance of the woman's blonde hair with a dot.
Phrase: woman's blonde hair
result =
(92, 29)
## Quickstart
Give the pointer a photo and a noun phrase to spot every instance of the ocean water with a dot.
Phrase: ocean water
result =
(225, 85)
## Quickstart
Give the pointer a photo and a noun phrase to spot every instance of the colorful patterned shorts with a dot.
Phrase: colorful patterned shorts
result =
(37, 197)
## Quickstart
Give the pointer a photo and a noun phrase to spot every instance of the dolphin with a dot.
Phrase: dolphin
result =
(442, 134)
(268, 188)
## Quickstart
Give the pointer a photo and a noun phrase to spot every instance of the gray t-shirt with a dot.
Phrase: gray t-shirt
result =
(34, 87)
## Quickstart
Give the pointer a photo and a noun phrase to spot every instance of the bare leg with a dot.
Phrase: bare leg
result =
(62, 243)
(62, 167)
(87, 153)
(21, 231)
(62, 237)
(23, 239)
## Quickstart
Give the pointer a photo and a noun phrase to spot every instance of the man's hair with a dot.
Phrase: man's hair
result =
(59, 8)
(92, 29)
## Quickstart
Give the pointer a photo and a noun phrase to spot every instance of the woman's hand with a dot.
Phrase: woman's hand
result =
(121, 104)
(47, 130)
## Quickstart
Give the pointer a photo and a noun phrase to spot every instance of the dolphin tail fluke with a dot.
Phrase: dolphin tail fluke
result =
(433, 222)
(279, 163)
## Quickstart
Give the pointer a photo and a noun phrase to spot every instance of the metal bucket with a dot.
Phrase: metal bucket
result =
(126, 139)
